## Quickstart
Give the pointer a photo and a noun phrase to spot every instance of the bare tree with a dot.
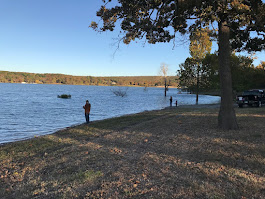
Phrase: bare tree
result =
(120, 92)
(163, 73)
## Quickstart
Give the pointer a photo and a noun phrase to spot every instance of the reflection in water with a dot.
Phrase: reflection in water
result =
(27, 110)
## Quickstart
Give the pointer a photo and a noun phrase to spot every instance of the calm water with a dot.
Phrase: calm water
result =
(28, 110)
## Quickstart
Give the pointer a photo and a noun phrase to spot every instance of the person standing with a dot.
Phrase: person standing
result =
(87, 108)
(170, 101)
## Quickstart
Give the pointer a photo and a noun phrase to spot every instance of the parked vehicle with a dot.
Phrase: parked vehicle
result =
(251, 98)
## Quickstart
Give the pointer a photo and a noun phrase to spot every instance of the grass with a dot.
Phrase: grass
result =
(172, 153)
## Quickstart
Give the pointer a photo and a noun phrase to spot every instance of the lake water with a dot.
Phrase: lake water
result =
(28, 110)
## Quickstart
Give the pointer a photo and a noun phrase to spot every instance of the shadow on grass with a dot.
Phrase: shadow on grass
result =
(163, 154)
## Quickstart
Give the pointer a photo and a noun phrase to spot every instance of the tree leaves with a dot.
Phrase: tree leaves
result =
(200, 44)
(158, 20)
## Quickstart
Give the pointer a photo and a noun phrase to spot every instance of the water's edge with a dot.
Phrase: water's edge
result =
(214, 105)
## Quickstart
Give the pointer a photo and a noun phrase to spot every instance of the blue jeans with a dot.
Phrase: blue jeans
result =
(87, 117)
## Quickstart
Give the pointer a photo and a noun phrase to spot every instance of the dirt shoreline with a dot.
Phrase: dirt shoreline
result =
(169, 153)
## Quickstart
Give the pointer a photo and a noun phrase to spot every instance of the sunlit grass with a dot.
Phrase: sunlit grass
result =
(172, 153)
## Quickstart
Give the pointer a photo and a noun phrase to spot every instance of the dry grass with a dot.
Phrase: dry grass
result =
(173, 153)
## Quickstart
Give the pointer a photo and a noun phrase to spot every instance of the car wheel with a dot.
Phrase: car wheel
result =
(240, 105)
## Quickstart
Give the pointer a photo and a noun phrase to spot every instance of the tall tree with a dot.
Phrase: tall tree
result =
(243, 72)
(164, 73)
(237, 24)
(200, 46)
(208, 73)
(187, 74)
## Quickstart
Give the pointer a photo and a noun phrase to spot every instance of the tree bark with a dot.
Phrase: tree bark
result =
(227, 117)
(197, 86)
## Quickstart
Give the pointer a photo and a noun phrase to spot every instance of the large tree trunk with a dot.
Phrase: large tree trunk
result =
(227, 117)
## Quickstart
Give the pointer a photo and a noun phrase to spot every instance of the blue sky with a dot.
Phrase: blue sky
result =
(52, 36)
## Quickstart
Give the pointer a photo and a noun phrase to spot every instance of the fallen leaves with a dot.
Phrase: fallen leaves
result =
(115, 150)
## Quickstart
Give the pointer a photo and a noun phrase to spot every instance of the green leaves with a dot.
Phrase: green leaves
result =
(158, 20)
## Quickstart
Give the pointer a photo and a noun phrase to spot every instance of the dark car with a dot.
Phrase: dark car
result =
(251, 98)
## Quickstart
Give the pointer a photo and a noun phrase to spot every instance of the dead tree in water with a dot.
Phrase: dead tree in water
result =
(164, 72)
(120, 92)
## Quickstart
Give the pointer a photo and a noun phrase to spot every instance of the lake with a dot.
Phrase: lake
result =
(28, 110)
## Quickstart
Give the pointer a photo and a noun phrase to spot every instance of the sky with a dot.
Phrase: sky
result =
(52, 36)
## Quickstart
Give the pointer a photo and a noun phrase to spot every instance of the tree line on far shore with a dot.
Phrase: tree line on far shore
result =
(145, 81)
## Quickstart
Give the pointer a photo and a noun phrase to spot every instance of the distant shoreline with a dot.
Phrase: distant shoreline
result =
(50, 78)
(89, 85)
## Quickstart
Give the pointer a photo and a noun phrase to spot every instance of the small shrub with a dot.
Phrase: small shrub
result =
(64, 96)
(120, 92)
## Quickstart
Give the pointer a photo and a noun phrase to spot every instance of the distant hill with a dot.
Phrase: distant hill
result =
(22, 77)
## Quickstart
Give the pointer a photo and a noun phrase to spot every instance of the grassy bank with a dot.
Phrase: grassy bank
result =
(172, 153)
